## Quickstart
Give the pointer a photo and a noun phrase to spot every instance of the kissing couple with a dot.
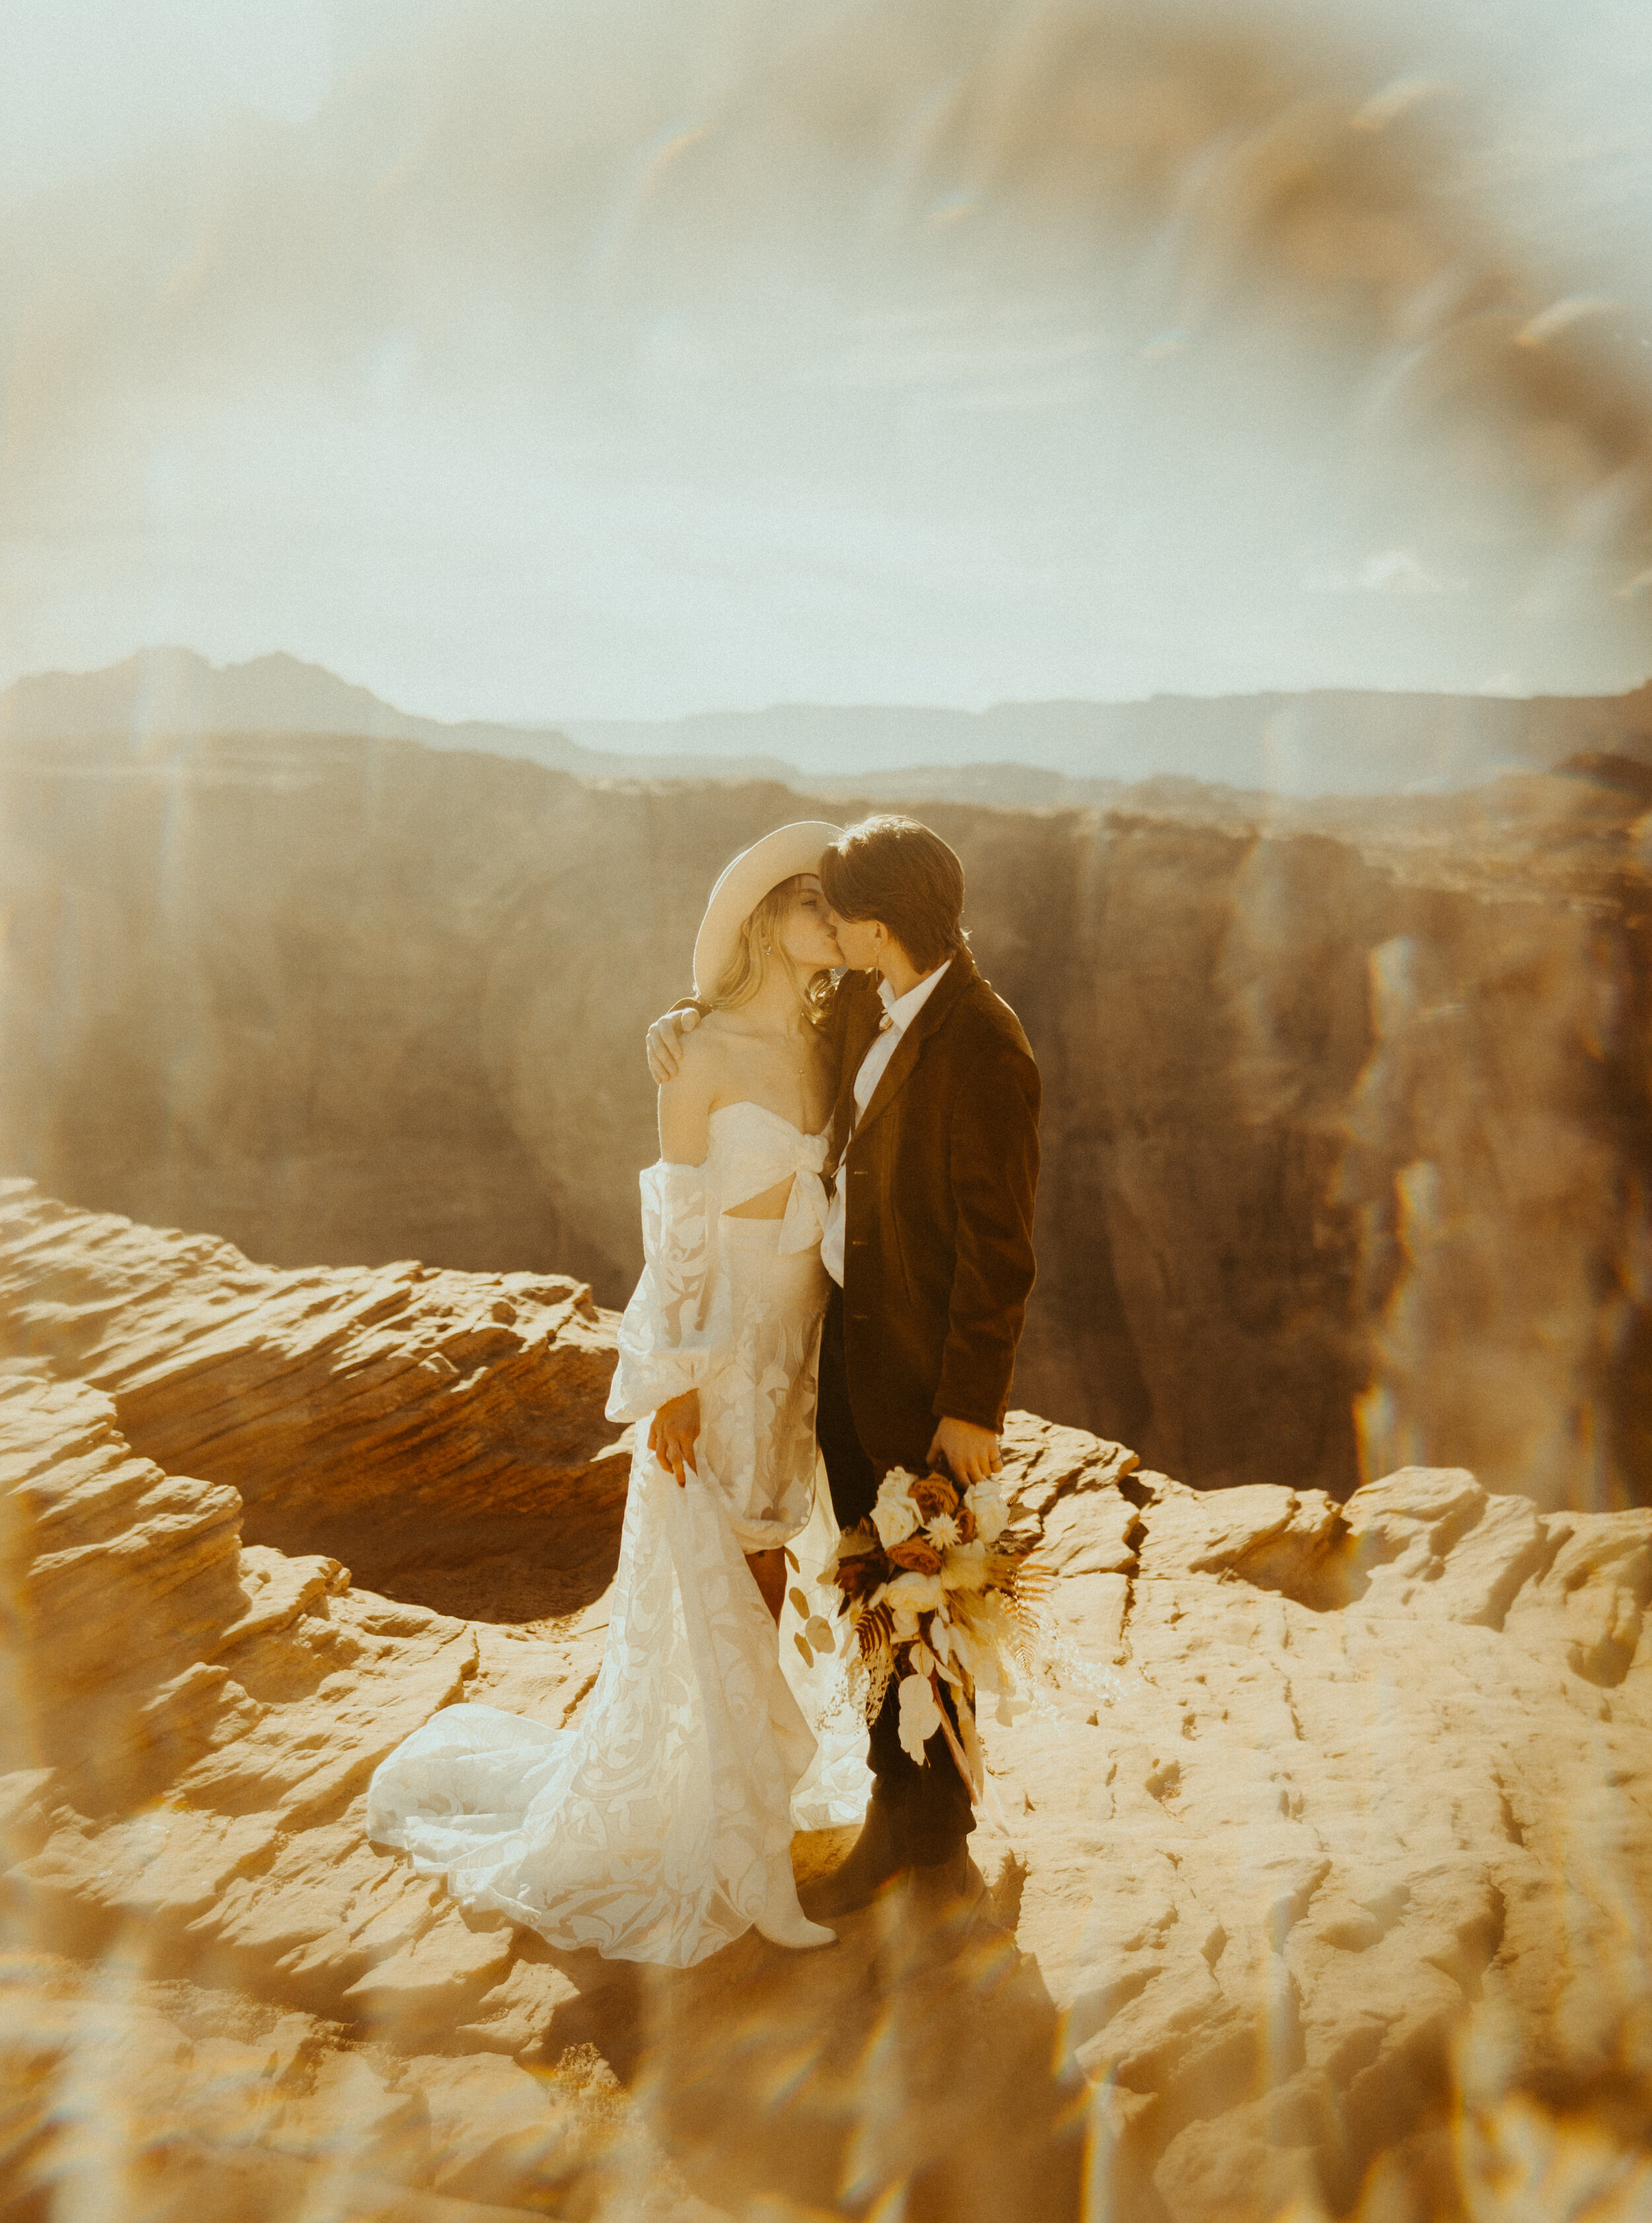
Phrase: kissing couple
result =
(838, 1246)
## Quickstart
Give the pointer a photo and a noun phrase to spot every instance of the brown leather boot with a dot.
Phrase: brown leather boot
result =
(944, 1890)
(870, 1862)
(942, 1909)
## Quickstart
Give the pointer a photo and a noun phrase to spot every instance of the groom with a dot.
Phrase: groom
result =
(928, 1244)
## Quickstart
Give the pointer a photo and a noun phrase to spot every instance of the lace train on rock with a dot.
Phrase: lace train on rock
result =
(657, 1827)
(646, 1828)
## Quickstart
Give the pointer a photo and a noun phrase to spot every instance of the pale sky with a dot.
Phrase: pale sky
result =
(634, 357)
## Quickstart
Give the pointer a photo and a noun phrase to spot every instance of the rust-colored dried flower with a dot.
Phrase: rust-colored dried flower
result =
(919, 1557)
(935, 1494)
(857, 1577)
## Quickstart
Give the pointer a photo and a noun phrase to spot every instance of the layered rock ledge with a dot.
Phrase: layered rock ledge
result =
(1326, 1867)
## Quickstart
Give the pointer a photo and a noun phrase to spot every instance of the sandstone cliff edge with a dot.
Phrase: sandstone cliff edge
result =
(1336, 1902)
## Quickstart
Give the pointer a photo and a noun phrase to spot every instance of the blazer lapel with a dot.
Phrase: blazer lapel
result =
(861, 1031)
(910, 1048)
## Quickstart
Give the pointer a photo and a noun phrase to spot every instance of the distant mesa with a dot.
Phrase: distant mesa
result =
(1344, 741)
(1626, 775)
(1022, 755)
(162, 697)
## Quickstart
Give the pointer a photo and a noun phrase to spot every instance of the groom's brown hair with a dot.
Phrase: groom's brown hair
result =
(901, 873)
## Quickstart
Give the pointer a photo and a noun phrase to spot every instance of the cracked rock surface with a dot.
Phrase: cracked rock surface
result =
(1376, 1789)
(1324, 1875)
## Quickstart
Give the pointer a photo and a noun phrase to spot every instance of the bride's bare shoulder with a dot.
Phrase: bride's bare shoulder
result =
(704, 1052)
(685, 1100)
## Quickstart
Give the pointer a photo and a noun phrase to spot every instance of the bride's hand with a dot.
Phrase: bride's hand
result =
(672, 1435)
(665, 1044)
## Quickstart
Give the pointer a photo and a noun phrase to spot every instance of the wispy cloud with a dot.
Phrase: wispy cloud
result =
(1387, 571)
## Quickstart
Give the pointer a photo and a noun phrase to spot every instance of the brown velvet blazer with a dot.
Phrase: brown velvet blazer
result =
(940, 1176)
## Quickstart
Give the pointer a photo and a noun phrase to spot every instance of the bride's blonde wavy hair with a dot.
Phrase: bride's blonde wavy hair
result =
(748, 969)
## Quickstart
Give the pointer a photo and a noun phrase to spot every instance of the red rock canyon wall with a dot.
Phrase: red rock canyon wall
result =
(1347, 1127)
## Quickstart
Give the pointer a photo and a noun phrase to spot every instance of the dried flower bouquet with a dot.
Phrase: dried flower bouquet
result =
(937, 1589)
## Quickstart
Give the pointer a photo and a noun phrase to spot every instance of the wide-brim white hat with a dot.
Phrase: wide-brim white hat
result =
(778, 856)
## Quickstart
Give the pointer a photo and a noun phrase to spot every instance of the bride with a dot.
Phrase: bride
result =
(659, 1827)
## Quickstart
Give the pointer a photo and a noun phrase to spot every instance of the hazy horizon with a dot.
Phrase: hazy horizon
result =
(781, 704)
(1336, 743)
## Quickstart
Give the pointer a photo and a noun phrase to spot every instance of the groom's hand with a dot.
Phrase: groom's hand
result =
(969, 1453)
(665, 1044)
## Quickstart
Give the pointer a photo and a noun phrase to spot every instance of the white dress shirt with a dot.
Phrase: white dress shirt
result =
(900, 1012)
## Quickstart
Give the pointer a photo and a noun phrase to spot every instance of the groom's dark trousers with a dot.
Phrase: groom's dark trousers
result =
(939, 1178)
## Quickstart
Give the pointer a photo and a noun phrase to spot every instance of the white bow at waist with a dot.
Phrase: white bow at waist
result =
(805, 1212)
(803, 1221)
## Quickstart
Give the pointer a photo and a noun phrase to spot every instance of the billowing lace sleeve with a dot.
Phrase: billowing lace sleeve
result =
(678, 1325)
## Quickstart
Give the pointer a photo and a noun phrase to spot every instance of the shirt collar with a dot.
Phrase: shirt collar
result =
(903, 1009)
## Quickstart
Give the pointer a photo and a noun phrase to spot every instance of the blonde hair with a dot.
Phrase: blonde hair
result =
(748, 969)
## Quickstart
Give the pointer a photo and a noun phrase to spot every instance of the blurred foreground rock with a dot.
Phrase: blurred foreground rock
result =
(1328, 1868)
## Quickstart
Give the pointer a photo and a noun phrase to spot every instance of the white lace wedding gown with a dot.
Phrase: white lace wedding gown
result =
(659, 1827)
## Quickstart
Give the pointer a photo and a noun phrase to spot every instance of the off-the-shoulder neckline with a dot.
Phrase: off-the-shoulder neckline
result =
(750, 1104)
